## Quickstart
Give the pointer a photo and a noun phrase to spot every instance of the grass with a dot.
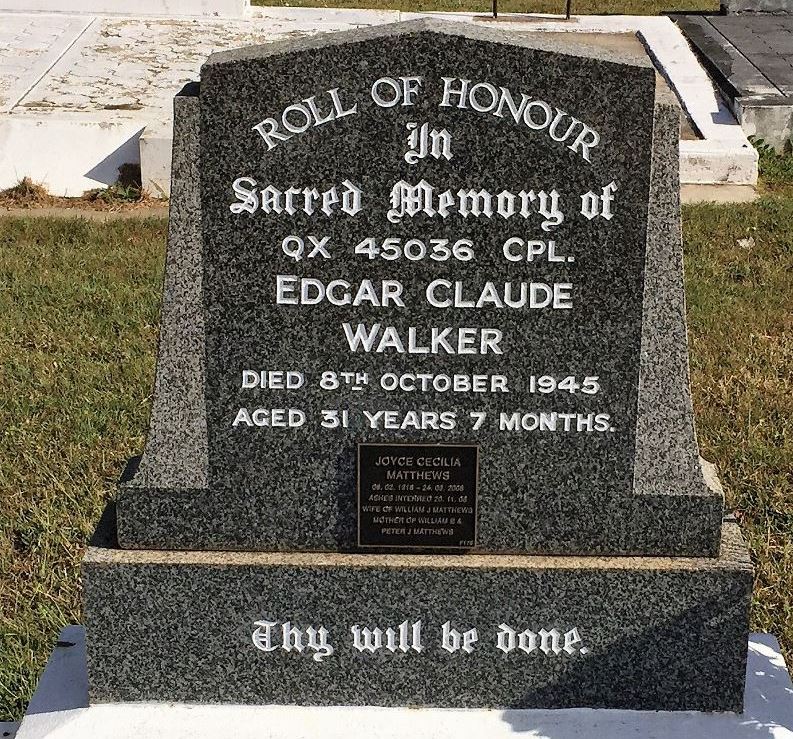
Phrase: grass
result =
(739, 263)
(78, 312)
(777, 169)
(579, 7)
(78, 309)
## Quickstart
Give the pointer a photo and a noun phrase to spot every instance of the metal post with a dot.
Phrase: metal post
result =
(567, 9)
(495, 8)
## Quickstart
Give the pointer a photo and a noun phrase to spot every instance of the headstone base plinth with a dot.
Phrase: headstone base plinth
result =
(60, 709)
(456, 631)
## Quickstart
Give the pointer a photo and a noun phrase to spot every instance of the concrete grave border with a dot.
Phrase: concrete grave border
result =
(167, 8)
(723, 156)
(60, 708)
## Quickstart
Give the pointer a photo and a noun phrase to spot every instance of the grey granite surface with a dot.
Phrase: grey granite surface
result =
(636, 489)
(205, 519)
(176, 445)
(650, 633)
(667, 457)
(308, 620)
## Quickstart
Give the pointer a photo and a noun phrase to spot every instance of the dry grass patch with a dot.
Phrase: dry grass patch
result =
(126, 194)
(25, 194)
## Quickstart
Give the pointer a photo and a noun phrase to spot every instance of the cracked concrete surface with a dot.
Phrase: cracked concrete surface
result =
(29, 44)
(130, 64)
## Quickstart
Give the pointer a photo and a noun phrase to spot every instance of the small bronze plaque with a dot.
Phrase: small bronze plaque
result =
(417, 496)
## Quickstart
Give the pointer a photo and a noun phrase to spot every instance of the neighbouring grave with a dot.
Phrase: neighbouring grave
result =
(422, 431)
(757, 7)
(746, 51)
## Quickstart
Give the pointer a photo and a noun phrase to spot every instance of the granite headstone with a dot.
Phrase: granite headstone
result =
(423, 365)
(436, 239)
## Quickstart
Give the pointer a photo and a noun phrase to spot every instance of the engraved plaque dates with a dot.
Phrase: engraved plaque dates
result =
(417, 496)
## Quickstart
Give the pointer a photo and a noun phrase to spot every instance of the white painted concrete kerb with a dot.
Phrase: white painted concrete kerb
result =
(80, 95)
(59, 710)
(167, 8)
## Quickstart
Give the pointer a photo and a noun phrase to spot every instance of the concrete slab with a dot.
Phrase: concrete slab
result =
(767, 118)
(175, 8)
(717, 194)
(137, 65)
(750, 58)
(29, 46)
(155, 158)
(117, 76)
(734, 74)
(59, 710)
(70, 154)
(767, 42)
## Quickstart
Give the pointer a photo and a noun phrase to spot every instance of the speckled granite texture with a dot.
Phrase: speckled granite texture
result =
(637, 490)
(176, 445)
(652, 633)
(498, 628)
